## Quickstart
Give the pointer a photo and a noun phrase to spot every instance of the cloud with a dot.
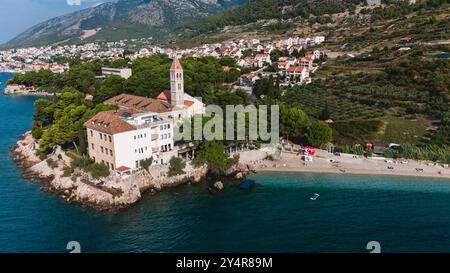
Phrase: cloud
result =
(74, 2)
(87, 2)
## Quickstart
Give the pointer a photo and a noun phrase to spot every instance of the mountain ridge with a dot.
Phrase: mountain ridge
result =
(125, 18)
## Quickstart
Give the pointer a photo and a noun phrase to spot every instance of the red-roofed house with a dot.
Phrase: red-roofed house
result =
(248, 80)
(298, 73)
(264, 58)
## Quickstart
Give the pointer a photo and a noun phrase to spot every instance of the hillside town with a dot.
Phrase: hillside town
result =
(262, 58)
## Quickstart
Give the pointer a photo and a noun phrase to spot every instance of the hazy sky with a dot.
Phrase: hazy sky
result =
(18, 15)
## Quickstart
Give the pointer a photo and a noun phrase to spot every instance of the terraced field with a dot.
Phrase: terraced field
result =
(313, 102)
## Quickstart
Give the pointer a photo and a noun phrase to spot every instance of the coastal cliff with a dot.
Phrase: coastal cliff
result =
(109, 194)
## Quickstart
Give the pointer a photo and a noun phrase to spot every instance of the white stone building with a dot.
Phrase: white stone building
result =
(141, 128)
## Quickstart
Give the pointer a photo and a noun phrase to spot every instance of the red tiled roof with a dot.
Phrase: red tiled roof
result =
(123, 169)
(141, 103)
(176, 64)
(108, 122)
(188, 103)
(165, 96)
(296, 68)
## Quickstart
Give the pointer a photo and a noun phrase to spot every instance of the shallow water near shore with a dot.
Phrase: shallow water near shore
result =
(403, 214)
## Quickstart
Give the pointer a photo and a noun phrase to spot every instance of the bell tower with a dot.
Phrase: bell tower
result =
(176, 83)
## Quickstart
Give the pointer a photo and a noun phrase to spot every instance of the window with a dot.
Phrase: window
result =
(110, 139)
(92, 133)
(168, 126)
(101, 136)
(110, 152)
(101, 148)
(161, 127)
(137, 164)
(93, 147)
(134, 137)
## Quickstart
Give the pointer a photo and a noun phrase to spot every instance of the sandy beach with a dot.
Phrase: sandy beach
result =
(325, 162)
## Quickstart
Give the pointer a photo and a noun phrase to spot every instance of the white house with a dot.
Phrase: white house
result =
(263, 58)
(317, 54)
(298, 72)
(319, 39)
(121, 72)
(121, 139)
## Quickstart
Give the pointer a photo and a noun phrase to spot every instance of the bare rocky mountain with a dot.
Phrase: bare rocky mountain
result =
(120, 19)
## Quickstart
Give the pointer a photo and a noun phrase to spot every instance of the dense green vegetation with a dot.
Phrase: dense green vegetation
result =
(428, 152)
(255, 10)
(396, 9)
(408, 86)
(212, 154)
(176, 166)
(60, 121)
(319, 133)
(88, 165)
(146, 163)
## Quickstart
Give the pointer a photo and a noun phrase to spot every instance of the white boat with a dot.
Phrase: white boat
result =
(315, 197)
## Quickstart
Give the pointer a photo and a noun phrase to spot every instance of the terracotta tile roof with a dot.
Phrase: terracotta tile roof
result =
(123, 169)
(188, 103)
(141, 103)
(165, 96)
(176, 64)
(296, 68)
(248, 76)
(108, 122)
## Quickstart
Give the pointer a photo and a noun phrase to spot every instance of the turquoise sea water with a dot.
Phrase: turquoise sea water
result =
(403, 214)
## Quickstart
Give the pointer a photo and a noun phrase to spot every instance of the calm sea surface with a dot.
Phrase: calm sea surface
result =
(403, 214)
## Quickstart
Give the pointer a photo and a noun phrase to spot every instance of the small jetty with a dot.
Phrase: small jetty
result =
(247, 184)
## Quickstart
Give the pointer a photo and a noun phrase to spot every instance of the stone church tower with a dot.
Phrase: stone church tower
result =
(176, 83)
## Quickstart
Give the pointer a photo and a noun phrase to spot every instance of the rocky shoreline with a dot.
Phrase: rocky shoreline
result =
(111, 195)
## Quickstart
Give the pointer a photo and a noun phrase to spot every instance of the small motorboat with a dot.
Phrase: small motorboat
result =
(315, 197)
(247, 184)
